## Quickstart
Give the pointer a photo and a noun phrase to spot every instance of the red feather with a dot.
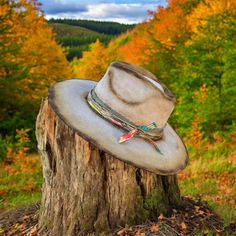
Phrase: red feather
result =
(128, 136)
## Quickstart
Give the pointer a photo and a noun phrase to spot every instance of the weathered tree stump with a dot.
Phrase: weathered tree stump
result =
(86, 190)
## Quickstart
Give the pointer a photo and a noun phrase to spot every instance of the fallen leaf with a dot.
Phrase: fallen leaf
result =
(26, 217)
(183, 225)
(175, 211)
(197, 208)
(139, 233)
(33, 231)
(122, 232)
(154, 228)
(201, 212)
(161, 217)
(16, 226)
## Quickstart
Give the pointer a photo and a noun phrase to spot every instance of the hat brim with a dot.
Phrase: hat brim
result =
(68, 100)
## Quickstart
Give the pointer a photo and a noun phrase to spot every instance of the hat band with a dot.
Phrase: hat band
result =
(151, 132)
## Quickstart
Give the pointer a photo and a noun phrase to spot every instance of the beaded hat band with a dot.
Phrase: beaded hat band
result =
(150, 132)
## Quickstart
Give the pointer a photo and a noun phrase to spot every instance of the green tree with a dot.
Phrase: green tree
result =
(207, 75)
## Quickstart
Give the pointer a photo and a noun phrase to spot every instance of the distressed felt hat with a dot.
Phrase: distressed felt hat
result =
(124, 114)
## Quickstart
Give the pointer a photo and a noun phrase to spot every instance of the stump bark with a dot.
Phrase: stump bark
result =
(86, 190)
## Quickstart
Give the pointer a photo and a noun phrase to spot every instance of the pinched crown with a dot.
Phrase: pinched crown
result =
(136, 94)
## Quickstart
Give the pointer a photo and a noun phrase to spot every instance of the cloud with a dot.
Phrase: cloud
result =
(117, 10)
(124, 11)
(156, 2)
(132, 12)
(57, 7)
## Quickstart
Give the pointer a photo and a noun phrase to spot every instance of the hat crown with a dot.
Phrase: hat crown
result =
(136, 94)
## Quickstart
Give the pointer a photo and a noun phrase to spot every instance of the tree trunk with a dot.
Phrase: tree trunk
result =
(86, 190)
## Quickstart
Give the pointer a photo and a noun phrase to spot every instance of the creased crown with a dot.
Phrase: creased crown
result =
(136, 94)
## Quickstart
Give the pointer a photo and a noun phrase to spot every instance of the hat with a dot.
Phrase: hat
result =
(125, 114)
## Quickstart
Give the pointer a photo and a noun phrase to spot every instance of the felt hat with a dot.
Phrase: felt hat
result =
(125, 114)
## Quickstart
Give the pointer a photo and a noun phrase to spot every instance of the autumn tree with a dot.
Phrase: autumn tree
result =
(30, 61)
(93, 64)
(137, 47)
(152, 44)
(208, 61)
(10, 69)
(8, 47)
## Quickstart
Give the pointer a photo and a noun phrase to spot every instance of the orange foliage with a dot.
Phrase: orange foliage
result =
(203, 93)
(38, 53)
(140, 48)
(19, 156)
(26, 166)
(4, 9)
(169, 24)
(195, 135)
(23, 163)
(167, 28)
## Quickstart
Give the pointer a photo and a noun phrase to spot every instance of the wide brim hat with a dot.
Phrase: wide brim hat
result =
(69, 100)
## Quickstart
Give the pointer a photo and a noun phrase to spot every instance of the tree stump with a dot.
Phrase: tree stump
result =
(85, 190)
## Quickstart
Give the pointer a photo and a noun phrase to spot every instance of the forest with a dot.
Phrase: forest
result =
(104, 27)
(189, 45)
(76, 39)
(76, 35)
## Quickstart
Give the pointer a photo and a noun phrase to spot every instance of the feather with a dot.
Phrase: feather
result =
(128, 136)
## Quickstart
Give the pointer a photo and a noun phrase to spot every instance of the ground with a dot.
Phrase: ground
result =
(193, 218)
(208, 184)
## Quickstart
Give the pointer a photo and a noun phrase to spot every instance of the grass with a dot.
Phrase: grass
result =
(211, 176)
(20, 181)
(22, 199)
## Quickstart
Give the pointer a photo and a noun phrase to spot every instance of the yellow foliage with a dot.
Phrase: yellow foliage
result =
(93, 64)
(38, 53)
(208, 8)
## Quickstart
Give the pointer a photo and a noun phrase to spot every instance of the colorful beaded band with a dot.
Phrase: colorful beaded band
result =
(114, 117)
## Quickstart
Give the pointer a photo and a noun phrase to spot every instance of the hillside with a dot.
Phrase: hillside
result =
(77, 35)
(64, 30)
(77, 39)
(104, 27)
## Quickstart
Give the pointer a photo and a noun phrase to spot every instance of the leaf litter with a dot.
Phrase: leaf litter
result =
(189, 219)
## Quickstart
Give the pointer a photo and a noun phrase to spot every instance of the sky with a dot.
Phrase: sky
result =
(123, 11)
